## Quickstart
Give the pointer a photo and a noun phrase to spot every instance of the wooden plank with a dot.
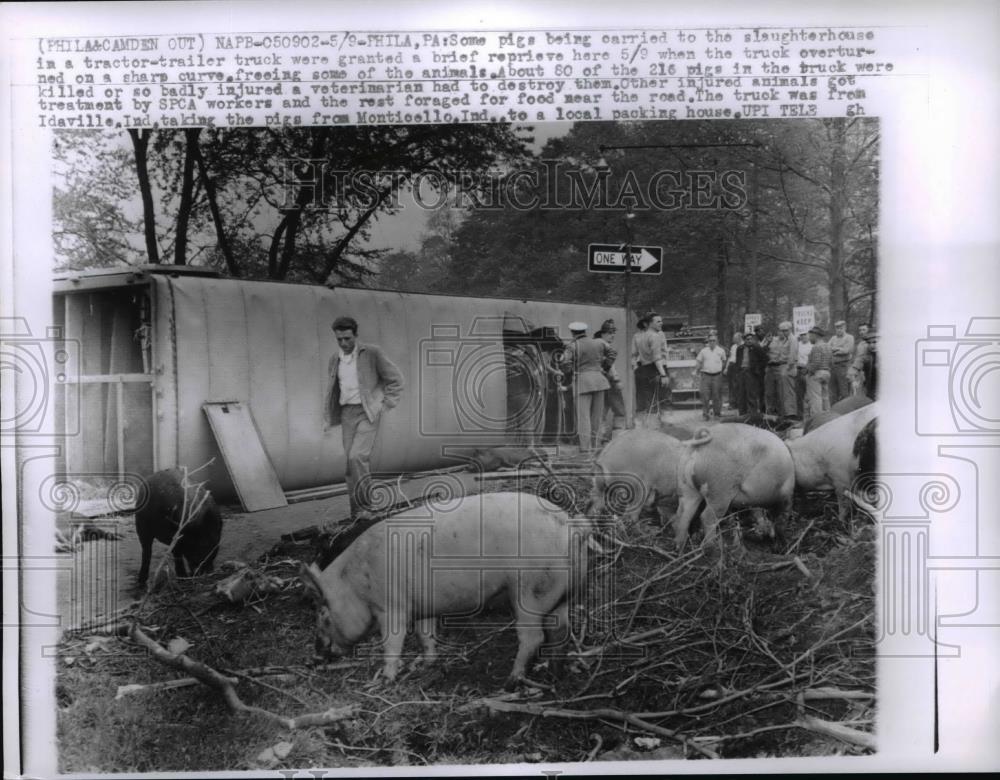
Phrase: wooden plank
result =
(314, 494)
(243, 452)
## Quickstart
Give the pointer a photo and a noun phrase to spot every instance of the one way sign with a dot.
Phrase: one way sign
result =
(610, 259)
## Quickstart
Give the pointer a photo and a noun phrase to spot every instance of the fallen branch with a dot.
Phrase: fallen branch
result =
(226, 686)
(598, 714)
(628, 640)
(841, 732)
(257, 671)
(802, 567)
(166, 685)
(802, 536)
(114, 624)
(820, 694)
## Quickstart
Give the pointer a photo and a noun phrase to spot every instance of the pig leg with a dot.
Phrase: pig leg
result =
(147, 554)
(530, 637)
(714, 511)
(180, 564)
(425, 630)
(556, 634)
(687, 510)
(393, 636)
(145, 533)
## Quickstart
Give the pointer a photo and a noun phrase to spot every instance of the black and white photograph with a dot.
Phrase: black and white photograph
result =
(431, 441)
(694, 416)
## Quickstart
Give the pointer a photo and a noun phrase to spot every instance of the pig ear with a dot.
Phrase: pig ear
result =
(310, 576)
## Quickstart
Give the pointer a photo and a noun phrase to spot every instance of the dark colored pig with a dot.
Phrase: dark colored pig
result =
(826, 457)
(160, 518)
(866, 450)
(844, 406)
(850, 404)
(817, 420)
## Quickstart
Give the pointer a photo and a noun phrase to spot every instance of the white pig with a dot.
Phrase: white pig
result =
(451, 560)
(731, 466)
(634, 470)
(825, 457)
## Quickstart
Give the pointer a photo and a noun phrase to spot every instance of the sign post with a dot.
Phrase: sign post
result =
(610, 259)
(750, 321)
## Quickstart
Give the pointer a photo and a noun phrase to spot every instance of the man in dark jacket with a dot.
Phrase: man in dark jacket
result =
(586, 356)
(751, 360)
(363, 383)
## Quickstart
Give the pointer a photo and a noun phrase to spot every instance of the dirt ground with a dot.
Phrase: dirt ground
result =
(706, 661)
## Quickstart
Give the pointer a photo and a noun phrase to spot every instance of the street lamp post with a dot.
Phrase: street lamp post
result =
(630, 215)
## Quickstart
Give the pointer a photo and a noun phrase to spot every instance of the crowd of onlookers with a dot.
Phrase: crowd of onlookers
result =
(798, 377)
(776, 374)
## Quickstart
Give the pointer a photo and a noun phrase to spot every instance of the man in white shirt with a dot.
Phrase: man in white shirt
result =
(363, 383)
(652, 379)
(803, 348)
(842, 350)
(711, 363)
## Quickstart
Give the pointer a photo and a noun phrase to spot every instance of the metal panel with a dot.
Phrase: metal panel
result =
(269, 344)
(245, 456)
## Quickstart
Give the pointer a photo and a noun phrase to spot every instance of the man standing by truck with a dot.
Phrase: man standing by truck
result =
(362, 385)
(711, 363)
(586, 356)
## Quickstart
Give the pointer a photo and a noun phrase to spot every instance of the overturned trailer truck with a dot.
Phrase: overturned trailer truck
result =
(154, 353)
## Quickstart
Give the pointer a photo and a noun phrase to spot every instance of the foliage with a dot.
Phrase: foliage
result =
(752, 216)
(767, 253)
(290, 197)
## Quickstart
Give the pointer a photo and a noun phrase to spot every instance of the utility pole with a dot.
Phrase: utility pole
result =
(629, 216)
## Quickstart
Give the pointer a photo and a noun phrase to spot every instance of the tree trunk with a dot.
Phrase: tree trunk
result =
(722, 292)
(293, 216)
(187, 195)
(140, 143)
(752, 302)
(213, 207)
(838, 181)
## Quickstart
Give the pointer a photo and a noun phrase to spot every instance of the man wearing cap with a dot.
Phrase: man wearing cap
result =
(780, 363)
(817, 374)
(751, 360)
(586, 356)
(711, 363)
(362, 384)
(614, 401)
(841, 354)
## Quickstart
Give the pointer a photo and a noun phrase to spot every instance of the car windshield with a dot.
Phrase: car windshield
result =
(683, 349)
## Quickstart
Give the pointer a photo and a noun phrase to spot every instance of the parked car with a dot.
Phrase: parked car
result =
(681, 353)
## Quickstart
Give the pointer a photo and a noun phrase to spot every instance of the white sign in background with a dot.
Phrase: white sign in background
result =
(803, 318)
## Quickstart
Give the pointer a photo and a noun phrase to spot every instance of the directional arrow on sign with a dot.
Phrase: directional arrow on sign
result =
(610, 259)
